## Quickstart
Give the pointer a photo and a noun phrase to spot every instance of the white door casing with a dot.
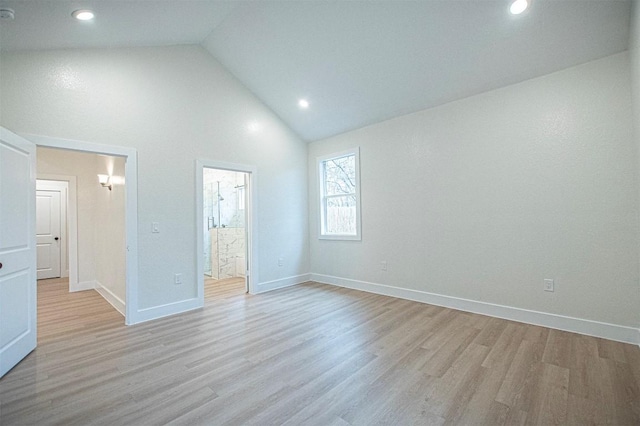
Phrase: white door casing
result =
(17, 249)
(48, 233)
(133, 314)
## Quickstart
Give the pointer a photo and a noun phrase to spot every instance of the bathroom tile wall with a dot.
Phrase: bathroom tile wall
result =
(227, 244)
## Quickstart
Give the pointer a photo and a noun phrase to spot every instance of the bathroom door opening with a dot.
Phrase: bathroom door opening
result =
(225, 232)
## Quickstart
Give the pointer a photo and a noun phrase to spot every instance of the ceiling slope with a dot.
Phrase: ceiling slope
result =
(361, 62)
(356, 62)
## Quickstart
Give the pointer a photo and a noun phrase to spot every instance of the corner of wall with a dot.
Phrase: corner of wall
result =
(282, 283)
(110, 297)
(82, 286)
(168, 309)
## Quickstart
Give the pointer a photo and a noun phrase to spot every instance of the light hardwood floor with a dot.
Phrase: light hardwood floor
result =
(222, 289)
(312, 354)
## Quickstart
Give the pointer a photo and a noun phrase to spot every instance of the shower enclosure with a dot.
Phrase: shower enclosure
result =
(224, 217)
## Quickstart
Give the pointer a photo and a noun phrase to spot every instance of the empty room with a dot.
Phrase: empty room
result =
(320, 212)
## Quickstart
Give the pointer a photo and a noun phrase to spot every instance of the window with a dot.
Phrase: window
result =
(340, 195)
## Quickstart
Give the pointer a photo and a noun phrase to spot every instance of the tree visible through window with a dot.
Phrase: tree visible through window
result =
(340, 196)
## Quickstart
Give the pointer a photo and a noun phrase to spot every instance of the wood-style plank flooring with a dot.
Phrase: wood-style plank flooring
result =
(312, 354)
(222, 289)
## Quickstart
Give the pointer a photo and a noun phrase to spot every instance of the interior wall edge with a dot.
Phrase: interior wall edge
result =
(282, 283)
(183, 306)
(166, 310)
(110, 297)
(82, 286)
(587, 327)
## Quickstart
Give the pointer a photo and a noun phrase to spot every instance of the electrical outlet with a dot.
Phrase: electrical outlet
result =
(280, 261)
(177, 279)
(383, 265)
(549, 284)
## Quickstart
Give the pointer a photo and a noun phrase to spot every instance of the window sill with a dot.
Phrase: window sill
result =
(340, 237)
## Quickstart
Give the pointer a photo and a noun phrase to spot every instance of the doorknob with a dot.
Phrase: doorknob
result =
(56, 238)
(0, 265)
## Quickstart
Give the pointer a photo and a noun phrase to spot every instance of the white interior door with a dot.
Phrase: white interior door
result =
(17, 249)
(48, 232)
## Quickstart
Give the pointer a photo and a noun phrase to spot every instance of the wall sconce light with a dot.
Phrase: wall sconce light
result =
(105, 181)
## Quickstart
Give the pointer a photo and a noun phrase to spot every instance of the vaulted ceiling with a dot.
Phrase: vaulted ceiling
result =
(356, 62)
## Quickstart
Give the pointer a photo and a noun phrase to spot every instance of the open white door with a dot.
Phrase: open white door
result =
(17, 249)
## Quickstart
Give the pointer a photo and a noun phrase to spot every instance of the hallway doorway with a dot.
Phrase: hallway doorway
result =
(68, 181)
(119, 170)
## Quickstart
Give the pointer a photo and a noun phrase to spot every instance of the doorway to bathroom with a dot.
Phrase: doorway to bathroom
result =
(225, 232)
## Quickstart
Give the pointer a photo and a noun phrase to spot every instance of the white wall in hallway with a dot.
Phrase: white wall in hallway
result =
(109, 227)
(83, 166)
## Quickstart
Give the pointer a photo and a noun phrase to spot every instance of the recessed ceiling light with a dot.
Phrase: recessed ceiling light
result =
(303, 103)
(83, 14)
(518, 6)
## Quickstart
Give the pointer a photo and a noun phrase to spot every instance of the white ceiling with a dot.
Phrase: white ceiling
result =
(47, 24)
(357, 62)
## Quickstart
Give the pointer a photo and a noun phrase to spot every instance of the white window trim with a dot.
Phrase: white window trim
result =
(322, 205)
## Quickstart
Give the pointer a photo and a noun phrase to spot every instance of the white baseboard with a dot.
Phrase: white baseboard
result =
(108, 295)
(282, 282)
(82, 286)
(583, 326)
(156, 312)
(166, 310)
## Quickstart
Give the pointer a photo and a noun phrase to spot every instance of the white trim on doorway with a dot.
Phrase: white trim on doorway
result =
(71, 204)
(131, 206)
(252, 221)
